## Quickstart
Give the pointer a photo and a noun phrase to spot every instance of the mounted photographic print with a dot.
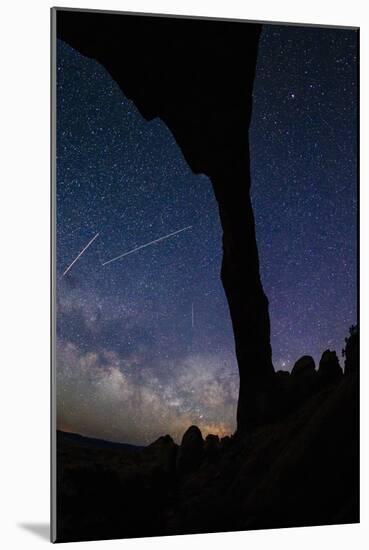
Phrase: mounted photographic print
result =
(204, 275)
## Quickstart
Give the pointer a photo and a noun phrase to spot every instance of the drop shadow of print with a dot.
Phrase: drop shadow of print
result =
(41, 530)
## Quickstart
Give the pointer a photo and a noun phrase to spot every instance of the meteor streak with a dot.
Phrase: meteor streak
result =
(80, 254)
(147, 244)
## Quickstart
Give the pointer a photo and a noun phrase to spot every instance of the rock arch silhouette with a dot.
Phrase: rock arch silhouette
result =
(197, 76)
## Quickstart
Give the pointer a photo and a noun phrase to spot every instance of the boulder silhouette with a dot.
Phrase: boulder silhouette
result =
(225, 442)
(329, 367)
(163, 452)
(211, 447)
(282, 374)
(305, 366)
(191, 451)
(291, 390)
(351, 351)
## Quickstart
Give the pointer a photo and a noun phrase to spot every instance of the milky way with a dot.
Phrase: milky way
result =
(131, 362)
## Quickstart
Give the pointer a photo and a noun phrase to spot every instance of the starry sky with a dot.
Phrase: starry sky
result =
(144, 343)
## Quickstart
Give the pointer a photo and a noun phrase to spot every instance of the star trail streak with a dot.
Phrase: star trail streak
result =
(80, 254)
(148, 244)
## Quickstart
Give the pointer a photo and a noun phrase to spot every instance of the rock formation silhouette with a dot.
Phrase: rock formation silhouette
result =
(197, 76)
(191, 450)
(305, 366)
(329, 367)
(351, 351)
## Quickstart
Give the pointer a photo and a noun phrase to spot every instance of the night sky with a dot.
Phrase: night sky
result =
(144, 344)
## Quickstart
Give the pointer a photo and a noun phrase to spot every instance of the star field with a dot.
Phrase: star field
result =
(303, 153)
(133, 362)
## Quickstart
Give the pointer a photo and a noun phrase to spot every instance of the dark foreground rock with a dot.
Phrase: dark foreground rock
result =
(329, 367)
(305, 367)
(297, 471)
(163, 453)
(191, 451)
(351, 351)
